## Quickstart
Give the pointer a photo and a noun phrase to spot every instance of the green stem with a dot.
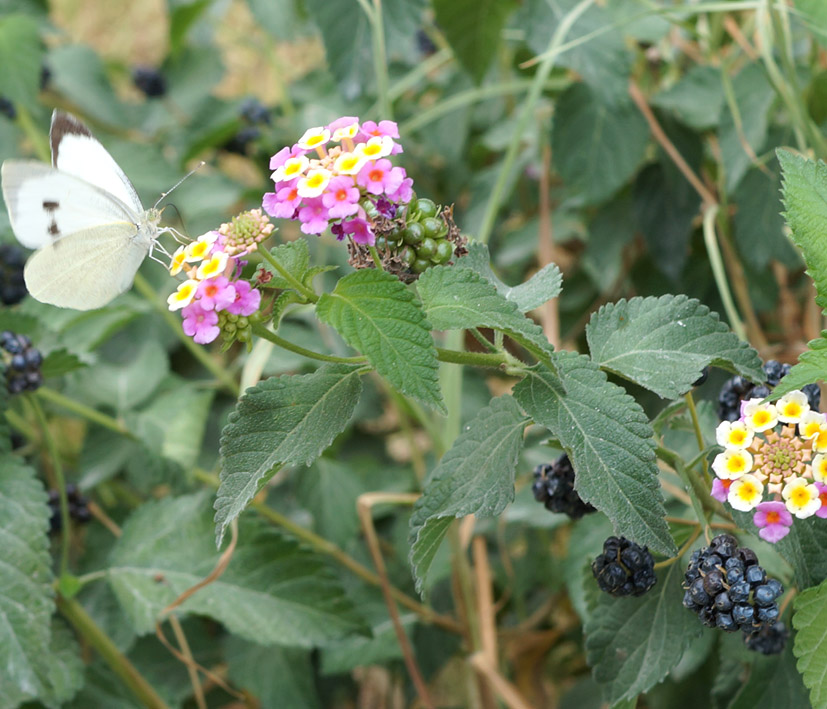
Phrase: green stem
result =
(498, 193)
(261, 331)
(308, 293)
(719, 272)
(374, 254)
(477, 359)
(196, 350)
(120, 665)
(702, 503)
(33, 133)
(57, 469)
(696, 424)
(84, 411)
(380, 63)
(415, 76)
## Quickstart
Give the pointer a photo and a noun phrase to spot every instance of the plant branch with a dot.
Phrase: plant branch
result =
(308, 293)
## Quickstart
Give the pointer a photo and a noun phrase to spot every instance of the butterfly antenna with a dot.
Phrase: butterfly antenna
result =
(177, 184)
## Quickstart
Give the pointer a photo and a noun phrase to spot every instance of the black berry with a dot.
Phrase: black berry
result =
(624, 568)
(240, 142)
(22, 363)
(554, 487)
(768, 640)
(78, 507)
(253, 111)
(727, 588)
(7, 108)
(150, 81)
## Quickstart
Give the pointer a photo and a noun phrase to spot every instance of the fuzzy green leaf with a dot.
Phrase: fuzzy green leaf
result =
(287, 420)
(812, 366)
(810, 620)
(273, 592)
(805, 548)
(633, 643)
(814, 14)
(475, 477)
(805, 198)
(378, 316)
(696, 99)
(664, 343)
(26, 595)
(773, 682)
(609, 441)
(295, 259)
(20, 56)
(458, 298)
(537, 290)
(596, 146)
(60, 361)
(472, 28)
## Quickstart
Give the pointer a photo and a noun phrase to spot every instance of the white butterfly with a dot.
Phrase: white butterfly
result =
(83, 216)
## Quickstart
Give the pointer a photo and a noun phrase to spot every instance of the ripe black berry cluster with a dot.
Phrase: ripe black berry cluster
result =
(727, 588)
(554, 487)
(12, 286)
(150, 81)
(78, 507)
(22, 363)
(423, 241)
(769, 640)
(737, 389)
(624, 568)
(253, 114)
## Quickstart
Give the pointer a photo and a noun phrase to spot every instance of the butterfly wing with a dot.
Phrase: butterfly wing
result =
(76, 151)
(46, 205)
(87, 269)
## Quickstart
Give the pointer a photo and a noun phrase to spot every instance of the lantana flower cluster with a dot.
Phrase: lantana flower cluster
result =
(774, 462)
(213, 296)
(329, 177)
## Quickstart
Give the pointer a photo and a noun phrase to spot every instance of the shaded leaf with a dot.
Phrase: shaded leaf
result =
(696, 100)
(476, 476)
(773, 682)
(458, 298)
(810, 620)
(286, 420)
(59, 362)
(596, 147)
(633, 643)
(609, 441)
(376, 315)
(811, 367)
(79, 74)
(805, 548)
(664, 343)
(329, 490)
(273, 592)
(21, 55)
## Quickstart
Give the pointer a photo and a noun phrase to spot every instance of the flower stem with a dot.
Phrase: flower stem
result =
(308, 293)
(57, 469)
(202, 355)
(374, 254)
(696, 424)
(478, 359)
(261, 331)
(87, 412)
(718, 272)
(120, 665)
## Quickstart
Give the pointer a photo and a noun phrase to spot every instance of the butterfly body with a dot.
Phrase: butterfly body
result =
(83, 216)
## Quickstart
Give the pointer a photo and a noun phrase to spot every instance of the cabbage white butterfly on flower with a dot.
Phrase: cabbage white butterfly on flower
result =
(83, 216)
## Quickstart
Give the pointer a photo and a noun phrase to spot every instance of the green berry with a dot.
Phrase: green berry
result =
(381, 243)
(444, 251)
(394, 237)
(426, 208)
(408, 256)
(370, 208)
(413, 234)
(420, 265)
(433, 227)
(427, 248)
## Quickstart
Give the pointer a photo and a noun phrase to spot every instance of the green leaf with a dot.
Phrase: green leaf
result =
(279, 18)
(79, 74)
(537, 290)
(664, 343)
(273, 592)
(814, 14)
(378, 316)
(810, 620)
(611, 230)
(21, 55)
(59, 362)
(64, 666)
(334, 515)
(26, 595)
(475, 477)
(609, 441)
(696, 99)
(773, 682)
(191, 75)
(748, 126)
(811, 367)
(805, 198)
(295, 259)
(458, 298)
(276, 676)
(282, 421)
(596, 146)
(805, 548)
(181, 19)
(633, 643)
(348, 53)
(472, 28)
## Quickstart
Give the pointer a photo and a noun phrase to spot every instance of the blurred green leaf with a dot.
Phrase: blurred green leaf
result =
(376, 315)
(329, 490)
(596, 147)
(21, 55)
(633, 643)
(696, 99)
(181, 18)
(282, 421)
(664, 343)
(476, 476)
(610, 232)
(773, 681)
(609, 441)
(191, 75)
(59, 362)
(810, 620)
(272, 593)
(472, 28)
(814, 14)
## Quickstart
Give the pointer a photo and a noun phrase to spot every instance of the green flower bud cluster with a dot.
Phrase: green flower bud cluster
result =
(422, 242)
(234, 328)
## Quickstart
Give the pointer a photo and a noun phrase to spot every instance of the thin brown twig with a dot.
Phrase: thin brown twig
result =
(181, 639)
(364, 505)
(97, 512)
(731, 26)
(509, 694)
(485, 600)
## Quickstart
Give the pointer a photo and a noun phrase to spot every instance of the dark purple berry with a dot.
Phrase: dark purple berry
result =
(755, 575)
(554, 487)
(723, 602)
(742, 613)
(725, 622)
(150, 81)
(769, 639)
(7, 108)
(624, 568)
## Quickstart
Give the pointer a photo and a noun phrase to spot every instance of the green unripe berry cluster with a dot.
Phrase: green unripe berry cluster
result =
(422, 242)
(234, 327)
